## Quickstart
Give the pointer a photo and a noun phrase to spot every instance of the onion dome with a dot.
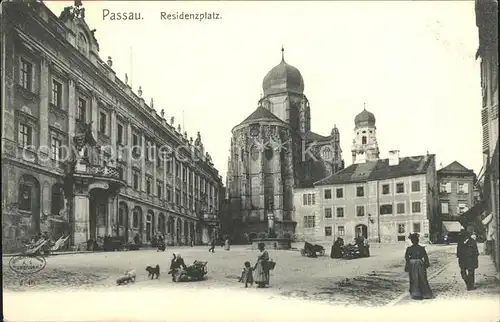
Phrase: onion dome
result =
(283, 78)
(364, 118)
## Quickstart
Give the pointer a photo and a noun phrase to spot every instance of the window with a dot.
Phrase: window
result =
(462, 207)
(159, 189)
(178, 170)
(328, 193)
(386, 209)
(56, 93)
(415, 207)
(445, 187)
(400, 208)
(25, 197)
(340, 212)
(341, 230)
(415, 186)
(169, 170)
(308, 221)
(148, 186)
(463, 188)
(360, 211)
(82, 109)
(25, 135)
(360, 191)
(135, 219)
(102, 122)
(400, 188)
(121, 217)
(26, 77)
(328, 212)
(308, 199)
(363, 140)
(169, 195)
(401, 228)
(136, 181)
(416, 227)
(386, 189)
(328, 231)
(119, 136)
(445, 208)
(339, 192)
(177, 197)
(136, 145)
(56, 150)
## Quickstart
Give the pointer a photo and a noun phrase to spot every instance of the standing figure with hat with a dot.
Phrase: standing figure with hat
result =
(416, 266)
(467, 253)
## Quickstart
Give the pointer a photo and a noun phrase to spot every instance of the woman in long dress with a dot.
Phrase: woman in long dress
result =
(417, 263)
(261, 270)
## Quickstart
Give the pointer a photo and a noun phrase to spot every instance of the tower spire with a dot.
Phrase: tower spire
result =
(282, 53)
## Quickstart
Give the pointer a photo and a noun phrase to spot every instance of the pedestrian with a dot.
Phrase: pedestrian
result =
(212, 246)
(468, 253)
(261, 268)
(247, 274)
(226, 245)
(336, 251)
(416, 266)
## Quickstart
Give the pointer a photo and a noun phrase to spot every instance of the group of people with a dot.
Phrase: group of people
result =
(337, 250)
(417, 263)
(258, 273)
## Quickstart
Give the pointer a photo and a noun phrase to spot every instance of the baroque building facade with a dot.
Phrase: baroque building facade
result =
(82, 154)
(273, 151)
(381, 199)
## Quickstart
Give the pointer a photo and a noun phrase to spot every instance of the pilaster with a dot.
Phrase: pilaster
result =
(71, 107)
(129, 155)
(44, 103)
(155, 162)
(143, 163)
(113, 135)
(95, 114)
(81, 209)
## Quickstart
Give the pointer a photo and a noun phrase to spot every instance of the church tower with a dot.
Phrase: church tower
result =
(283, 88)
(365, 146)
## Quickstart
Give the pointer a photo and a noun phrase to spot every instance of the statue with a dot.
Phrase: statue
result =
(172, 119)
(179, 128)
(110, 61)
(185, 135)
(126, 79)
(139, 92)
(198, 139)
(162, 113)
(151, 104)
(191, 140)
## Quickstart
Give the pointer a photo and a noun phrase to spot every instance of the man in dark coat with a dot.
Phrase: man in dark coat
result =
(336, 251)
(467, 253)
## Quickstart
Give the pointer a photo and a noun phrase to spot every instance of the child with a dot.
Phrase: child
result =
(246, 275)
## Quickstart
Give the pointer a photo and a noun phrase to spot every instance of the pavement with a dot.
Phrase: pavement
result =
(301, 288)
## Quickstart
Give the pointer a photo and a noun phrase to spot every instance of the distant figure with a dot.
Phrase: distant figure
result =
(467, 253)
(212, 246)
(336, 251)
(417, 263)
(226, 245)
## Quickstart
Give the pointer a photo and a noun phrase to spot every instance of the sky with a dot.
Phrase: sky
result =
(412, 63)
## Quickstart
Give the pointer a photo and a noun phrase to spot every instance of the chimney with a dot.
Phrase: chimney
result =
(393, 157)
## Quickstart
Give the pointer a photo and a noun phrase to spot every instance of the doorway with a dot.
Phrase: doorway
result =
(362, 230)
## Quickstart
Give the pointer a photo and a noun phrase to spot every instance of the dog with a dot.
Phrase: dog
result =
(128, 277)
(152, 271)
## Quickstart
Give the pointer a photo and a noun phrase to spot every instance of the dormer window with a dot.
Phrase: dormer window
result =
(363, 140)
(82, 44)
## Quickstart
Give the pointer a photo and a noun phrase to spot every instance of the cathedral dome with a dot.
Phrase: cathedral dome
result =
(283, 78)
(364, 118)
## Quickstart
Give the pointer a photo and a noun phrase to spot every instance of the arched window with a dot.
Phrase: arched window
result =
(135, 218)
(25, 194)
(363, 139)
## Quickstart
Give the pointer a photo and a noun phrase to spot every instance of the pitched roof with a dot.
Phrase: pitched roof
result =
(311, 136)
(455, 166)
(261, 113)
(380, 170)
